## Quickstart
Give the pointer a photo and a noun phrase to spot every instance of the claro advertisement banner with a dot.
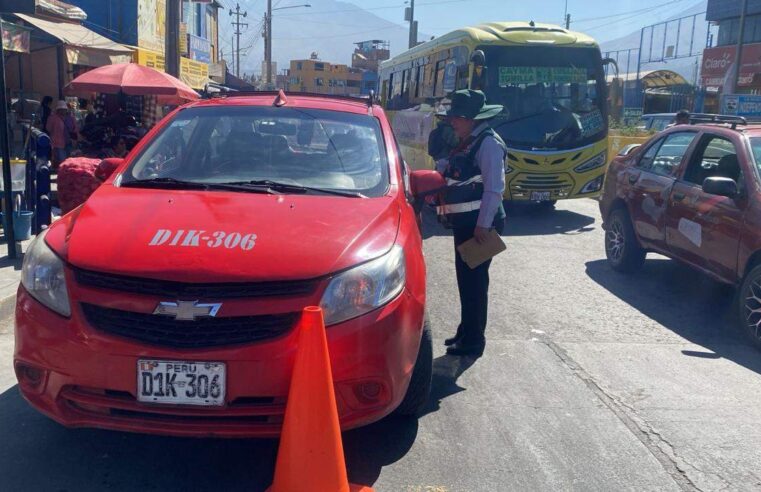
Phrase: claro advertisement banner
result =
(718, 65)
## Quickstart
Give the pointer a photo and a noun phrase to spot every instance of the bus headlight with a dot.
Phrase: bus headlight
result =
(364, 287)
(592, 186)
(593, 163)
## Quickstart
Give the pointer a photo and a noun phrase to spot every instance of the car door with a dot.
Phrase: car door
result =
(650, 182)
(701, 228)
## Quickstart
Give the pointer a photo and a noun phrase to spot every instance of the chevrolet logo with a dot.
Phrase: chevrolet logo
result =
(187, 310)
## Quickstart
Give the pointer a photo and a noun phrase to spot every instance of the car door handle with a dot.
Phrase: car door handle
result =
(678, 197)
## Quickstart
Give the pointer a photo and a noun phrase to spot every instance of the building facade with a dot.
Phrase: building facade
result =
(717, 72)
(321, 77)
(367, 57)
(142, 23)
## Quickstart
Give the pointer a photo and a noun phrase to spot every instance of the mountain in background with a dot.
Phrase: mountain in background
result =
(686, 67)
(329, 28)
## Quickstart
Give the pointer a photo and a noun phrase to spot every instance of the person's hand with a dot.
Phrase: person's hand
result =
(481, 234)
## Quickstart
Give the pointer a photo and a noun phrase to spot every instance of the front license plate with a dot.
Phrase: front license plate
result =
(180, 382)
(539, 196)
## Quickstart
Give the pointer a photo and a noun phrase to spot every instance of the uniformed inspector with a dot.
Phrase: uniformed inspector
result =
(472, 205)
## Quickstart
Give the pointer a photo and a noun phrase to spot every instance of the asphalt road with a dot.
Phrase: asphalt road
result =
(591, 381)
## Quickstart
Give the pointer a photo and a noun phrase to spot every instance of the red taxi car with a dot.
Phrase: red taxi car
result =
(167, 303)
(693, 193)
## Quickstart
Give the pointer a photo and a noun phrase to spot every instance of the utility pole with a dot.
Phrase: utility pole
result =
(172, 48)
(567, 21)
(740, 42)
(268, 43)
(413, 26)
(237, 23)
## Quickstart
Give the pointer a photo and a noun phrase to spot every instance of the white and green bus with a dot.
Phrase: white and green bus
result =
(551, 82)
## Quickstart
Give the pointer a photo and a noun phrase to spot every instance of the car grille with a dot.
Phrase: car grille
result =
(166, 331)
(559, 185)
(179, 290)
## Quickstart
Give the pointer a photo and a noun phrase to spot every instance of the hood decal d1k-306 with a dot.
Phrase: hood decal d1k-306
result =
(195, 238)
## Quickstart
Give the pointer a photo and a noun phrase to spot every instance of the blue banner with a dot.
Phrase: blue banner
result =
(200, 49)
(746, 105)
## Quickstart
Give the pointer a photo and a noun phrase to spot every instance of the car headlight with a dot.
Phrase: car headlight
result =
(365, 287)
(42, 275)
(593, 163)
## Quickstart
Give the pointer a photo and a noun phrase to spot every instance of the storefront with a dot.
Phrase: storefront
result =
(193, 73)
(58, 52)
(718, 70)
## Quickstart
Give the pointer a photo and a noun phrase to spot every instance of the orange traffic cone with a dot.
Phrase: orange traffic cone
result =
(311, 456)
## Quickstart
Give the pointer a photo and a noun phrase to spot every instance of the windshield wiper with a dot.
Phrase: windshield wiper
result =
(178, 184)
(294, 188)
(170, 183)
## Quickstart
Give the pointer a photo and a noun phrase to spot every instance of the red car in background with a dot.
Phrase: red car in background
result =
(693, 193)
(167, 303)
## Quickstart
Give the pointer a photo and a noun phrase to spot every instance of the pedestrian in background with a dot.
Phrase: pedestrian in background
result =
(682, 118)
(472, 204)
(56, 129)
(45, 112)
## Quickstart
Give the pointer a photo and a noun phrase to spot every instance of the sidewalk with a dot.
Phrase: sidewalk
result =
(10, 276)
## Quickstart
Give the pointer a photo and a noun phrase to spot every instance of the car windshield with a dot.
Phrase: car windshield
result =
(310, 148)
(553, 97)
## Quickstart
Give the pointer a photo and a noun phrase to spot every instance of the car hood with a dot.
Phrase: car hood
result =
(202, 236)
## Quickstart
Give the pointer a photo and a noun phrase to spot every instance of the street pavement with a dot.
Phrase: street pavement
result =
(591, 380)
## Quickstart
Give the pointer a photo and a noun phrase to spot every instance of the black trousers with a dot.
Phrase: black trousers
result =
(473, 286)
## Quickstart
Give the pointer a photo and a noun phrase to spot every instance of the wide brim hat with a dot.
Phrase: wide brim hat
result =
(61, 105)
(467, 103)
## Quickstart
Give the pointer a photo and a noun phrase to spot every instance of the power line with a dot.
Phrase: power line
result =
(388, 7)
(638, 11)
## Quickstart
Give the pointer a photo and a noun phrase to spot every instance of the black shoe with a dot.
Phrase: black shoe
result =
(454, 339)
(460, 348)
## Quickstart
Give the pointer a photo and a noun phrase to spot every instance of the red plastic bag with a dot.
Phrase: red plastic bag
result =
(76, 181)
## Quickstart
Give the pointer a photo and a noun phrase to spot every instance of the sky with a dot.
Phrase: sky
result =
(602, 19)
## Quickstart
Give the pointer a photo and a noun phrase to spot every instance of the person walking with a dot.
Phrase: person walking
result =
(472, 205)
(58, 133)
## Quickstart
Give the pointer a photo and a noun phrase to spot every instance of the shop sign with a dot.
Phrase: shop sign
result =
(151, 22)
(183, 39)
(194, 73)
(746, 105)
(151, 59)
(15, 37)
(718, 65)
(200, 49)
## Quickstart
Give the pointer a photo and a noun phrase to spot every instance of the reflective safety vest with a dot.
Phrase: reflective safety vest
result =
(462, 198)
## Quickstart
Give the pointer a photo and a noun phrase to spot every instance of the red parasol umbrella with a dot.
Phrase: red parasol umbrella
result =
(131, 79)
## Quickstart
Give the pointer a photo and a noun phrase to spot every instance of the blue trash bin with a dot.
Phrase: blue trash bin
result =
(22, 224)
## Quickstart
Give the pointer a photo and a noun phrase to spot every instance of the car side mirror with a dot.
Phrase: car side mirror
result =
(107, 167)
(720, 186)
(426, 182)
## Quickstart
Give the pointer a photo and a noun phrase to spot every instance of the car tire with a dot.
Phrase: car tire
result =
(748, 300)
(419, 389)
(621, 245)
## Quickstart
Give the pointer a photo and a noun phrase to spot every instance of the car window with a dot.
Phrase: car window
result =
(755, 144)
(715, 156)
(663, 158)
(307, 147)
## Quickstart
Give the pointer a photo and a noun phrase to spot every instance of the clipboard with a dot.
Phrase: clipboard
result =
(475, 253)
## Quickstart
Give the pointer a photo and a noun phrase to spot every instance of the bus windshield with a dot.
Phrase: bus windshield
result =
(554, 97)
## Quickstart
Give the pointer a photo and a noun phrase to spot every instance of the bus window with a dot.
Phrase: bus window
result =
(450, 76)
(416, 81)
(438, 86)
(427, 80)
